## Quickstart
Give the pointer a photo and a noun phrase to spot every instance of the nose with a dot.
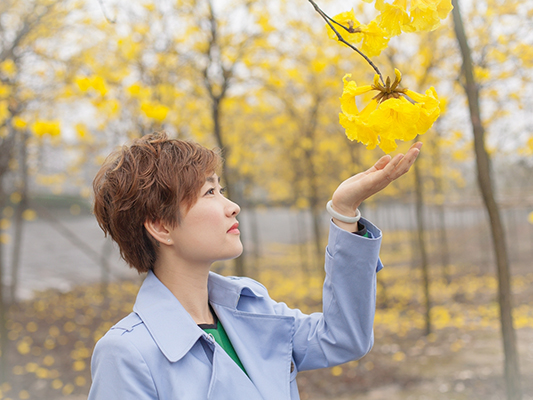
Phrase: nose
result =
(232, 209)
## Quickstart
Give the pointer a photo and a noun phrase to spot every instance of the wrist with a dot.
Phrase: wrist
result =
(353, 228)
(350, 216)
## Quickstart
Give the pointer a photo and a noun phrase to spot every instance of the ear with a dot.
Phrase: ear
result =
(159, 231)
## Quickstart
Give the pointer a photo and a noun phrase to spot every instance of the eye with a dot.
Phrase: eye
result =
(210, 191)
(223, 190)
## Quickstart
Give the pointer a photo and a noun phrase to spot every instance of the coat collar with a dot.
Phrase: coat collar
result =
(173, 329)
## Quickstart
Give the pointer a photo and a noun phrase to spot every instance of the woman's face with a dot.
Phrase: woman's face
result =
(209, 231)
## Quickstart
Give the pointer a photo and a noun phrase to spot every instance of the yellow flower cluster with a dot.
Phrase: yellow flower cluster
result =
(95, 82)
(155, 111)
(413, 15)
(392, 19)
(41, 128)
(394, 114)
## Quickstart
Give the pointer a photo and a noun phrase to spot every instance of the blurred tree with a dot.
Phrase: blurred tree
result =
(25, 27)
(472, 90)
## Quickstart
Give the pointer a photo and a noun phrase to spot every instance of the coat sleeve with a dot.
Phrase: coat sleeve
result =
(119, 371)
(344, 330)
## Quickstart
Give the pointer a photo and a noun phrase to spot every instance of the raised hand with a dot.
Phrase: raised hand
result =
(354, 190)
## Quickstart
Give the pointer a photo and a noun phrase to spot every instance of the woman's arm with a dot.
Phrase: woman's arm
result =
(344, 330)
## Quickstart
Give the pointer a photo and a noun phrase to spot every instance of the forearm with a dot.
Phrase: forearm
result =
(344, 330)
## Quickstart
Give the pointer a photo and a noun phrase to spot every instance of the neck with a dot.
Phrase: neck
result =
(189, 285)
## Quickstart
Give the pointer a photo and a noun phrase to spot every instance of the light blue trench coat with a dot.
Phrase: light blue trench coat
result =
(158, 351)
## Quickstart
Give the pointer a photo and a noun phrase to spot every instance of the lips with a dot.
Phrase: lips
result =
(234, 228)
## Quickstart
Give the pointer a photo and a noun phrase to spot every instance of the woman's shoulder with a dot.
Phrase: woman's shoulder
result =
(129, 333)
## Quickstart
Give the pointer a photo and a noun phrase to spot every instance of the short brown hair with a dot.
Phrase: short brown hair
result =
(154, 178)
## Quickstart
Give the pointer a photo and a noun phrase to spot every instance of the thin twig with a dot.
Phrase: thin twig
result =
(102, 6)
(341, 39)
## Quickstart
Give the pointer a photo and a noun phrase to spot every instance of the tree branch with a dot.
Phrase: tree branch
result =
(341, 39)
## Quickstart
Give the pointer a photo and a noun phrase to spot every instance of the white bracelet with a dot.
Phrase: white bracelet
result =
(343, 218)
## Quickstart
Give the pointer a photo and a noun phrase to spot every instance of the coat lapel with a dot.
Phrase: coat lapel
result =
(264, 346)
(228, 381)
(173, 329)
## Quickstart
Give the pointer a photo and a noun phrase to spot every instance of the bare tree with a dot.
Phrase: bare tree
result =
(422, 250)
(512, 373)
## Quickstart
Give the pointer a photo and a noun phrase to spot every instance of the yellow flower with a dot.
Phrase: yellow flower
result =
(393, 18)
(19, 123)
(426, 14)
(98, 84)
(373, 37)
(83, 83)
(393, 114)
(348, 20)
(4, 111)
(394, 119)
(8, 67)
(41, 128)
(155, 111)
(5, 90)
(444, 7)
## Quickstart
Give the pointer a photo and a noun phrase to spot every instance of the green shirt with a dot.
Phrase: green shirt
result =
(221, 337)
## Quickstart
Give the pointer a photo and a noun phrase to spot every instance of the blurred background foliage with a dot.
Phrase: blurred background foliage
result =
(261, 80)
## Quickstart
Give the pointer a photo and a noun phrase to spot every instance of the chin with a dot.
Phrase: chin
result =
(235, 254)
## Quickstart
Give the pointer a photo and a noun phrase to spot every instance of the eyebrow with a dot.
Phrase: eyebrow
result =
(210, 179)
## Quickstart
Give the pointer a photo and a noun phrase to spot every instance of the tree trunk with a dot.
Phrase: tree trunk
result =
(443, 244)
(239, 265)
(302, 244)
(441, 216)
(6, 149)
(19, 221)
(512, 372)
(314, 195)
(420, 224)
(316, 220)
(3, 310)
(105, 269)
(256, 240)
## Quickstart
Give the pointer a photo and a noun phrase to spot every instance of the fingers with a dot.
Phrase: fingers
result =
(400, 164)
(382, 162)
(417, 145)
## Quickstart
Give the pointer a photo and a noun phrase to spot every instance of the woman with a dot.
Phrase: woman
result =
(194, 334)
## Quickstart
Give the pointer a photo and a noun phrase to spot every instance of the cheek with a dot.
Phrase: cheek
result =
(207, 222)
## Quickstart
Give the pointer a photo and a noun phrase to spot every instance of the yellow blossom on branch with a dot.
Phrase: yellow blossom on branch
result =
(393, 18)
(348, 20)
(412, 15)
(374, 39)
(393, 114)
